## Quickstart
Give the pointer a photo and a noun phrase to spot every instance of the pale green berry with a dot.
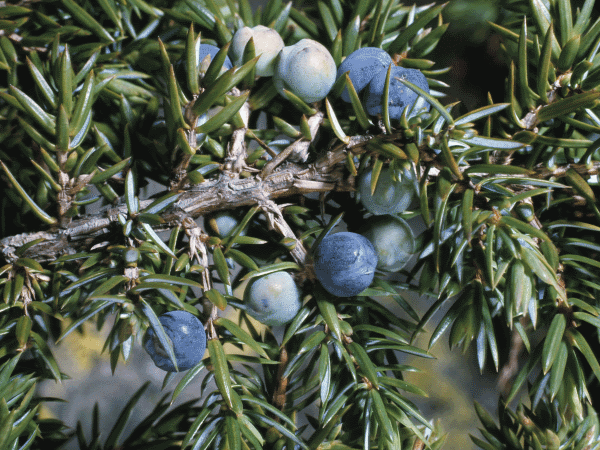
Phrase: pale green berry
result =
(306, 69)
(390, 196)
(393, 240)
(223, 223)
(267, 44)
(273, 299)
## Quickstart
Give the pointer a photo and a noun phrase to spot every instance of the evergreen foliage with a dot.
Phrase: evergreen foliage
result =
(98, 98)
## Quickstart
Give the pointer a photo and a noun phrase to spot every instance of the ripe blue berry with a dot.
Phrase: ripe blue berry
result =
(399, 95)
(393, 241)
(390, 196)
(267, 43)
(186, 333)
(363, 65)
(272, 299)
(345, 263)
(306, 69)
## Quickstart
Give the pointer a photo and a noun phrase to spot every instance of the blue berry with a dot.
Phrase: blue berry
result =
(273, 299)
(363, 65)
(390, 196)
(345, 263)
(187, 335)
(399, 95)
(267, 43)
(306, 69)
(393, 241)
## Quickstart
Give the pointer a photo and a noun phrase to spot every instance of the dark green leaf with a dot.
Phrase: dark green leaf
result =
(42, 84)
(350, 36)
(35, 111)
(170, 279)
(328, 312)
(47, 356)
(157, 240)
(233, 432)
(221, 370)
(543, 19)
(552, 341)
(186, 380)
(381, 414)
(65, 81)
(558, 370)
(364, 362)
(527, 96)
(580, 342)
(86, 19)
(479, 113)
(267, 406)
(241, 335)
(565, 106)
(568, 54)
(101, 177)
(277, 267)
(335, 125)
(399, 44)
(221, 265)
(268, 421)
(219, 119)
(216, 298)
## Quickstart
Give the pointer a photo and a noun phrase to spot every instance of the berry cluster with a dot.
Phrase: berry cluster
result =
(306, 68)
(345, 262)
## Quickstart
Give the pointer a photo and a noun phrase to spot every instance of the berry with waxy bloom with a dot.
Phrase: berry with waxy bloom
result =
(273, 299)
(390, 196)
(187, 335)
(345, 263)
(363, 64)
(306, 69)
(393, 241)
(399, 95)
(267, 44)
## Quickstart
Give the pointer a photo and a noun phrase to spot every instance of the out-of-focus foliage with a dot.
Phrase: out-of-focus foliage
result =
(100, 98)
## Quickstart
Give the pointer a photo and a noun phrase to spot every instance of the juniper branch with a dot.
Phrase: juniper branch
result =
(230, 191)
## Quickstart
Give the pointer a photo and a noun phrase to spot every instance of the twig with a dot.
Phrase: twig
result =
(228, 191)
(511, 367)
(279, 396)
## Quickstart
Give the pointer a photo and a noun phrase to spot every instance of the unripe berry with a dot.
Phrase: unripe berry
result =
(390, 196)
(186, 333)
(393, 241)
(267, 44)
(345, 263)
(306, 69)
(207, 49)
(363, 64)
(273, 299)
(223, 223)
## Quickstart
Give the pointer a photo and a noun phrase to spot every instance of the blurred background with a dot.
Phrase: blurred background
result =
(454, 381)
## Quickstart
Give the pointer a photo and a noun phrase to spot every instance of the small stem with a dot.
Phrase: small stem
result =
(511, 367)
(279, 396)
